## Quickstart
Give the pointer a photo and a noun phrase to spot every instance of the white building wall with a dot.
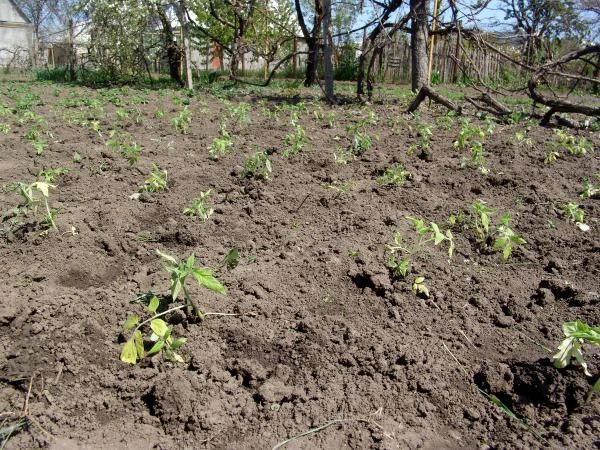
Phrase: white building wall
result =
(16, 36)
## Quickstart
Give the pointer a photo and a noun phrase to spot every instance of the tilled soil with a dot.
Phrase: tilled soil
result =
(327, 337)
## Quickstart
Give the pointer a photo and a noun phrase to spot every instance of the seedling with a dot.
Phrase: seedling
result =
(4, 128)
(131, 152)
(481, 220)
(296, 141)
(507, 239)
(52, 175)
(134, 349)
(575, 214)
(341, 187)
(472, 137)
(570, 351)
(240, 113)
(468, 133)
(504, 238)
(565, 141)
(198, 207)
(182, 121)
(39, 146)
(424, 132)
(361, 142)
(419, 288)
(342, 155)
(180, 271)
(220, 145)
(394, 176)
(159, 113)
(353, 253)
(400, 255)
(257, 166)
(590, 190)
(76, 157)
(551, 155)
(121, 114)
(35, 194)
(231, 259)
(157, 181)
(522, 139)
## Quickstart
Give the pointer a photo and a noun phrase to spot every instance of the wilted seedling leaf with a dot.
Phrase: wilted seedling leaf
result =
(129, 352)
(154, 304)
(159, 327)
(130, 323)
(419, 287)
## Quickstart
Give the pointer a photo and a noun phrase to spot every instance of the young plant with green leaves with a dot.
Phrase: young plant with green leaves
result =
(34, 195)
(522, 139)
(401, 254)
(506, 238)
(181, 122)
(570, 351)
(240, 113)
(498, 237)
(221, 144)
(395, 175)
(590, 190)
(565, 141)
(575, 214)
(295, 141)
(481, 221)
(161, 338)
(199, 208)
(51, 176)
(257, 166)
(424, 133)
(157, 181)
(419, 287)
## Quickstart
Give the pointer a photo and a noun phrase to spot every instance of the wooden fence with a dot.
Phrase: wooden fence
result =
(394, 64)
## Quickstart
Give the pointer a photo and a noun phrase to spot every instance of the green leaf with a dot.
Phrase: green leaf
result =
(176, 286)
(205, 278)
(159, 327)
(156, 347)
(139, 343)
(129, 352)
(506, 252)
(178, 343)
(231, 259)
(131, 322)
(154, 303)
(189, 264)
(485, 221)
(438, 236)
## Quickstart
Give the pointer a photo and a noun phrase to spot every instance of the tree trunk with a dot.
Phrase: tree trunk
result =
(418, 42)
(180, 10)
(169, 44)
(327, 51)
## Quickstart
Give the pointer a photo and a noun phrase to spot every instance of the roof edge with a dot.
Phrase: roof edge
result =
(19, 11)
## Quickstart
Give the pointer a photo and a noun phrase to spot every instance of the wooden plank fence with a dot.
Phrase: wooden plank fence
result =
(394, 64)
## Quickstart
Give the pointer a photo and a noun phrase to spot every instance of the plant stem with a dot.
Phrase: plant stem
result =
(221, 314)
(156, 316)
(50, 214)
(192, 304)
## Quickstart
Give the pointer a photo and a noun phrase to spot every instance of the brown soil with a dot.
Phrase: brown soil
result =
(323, 335)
